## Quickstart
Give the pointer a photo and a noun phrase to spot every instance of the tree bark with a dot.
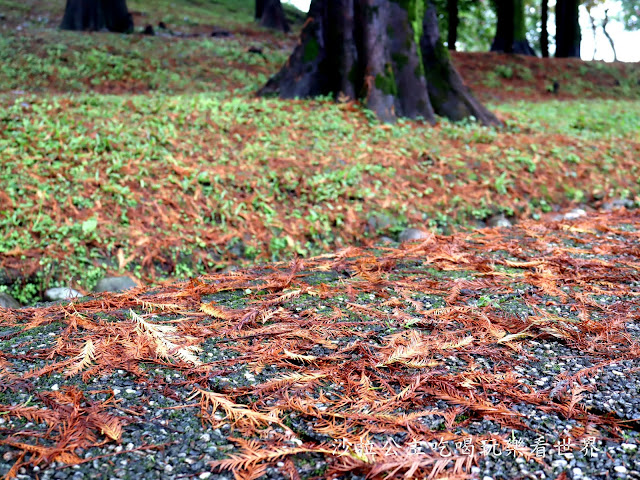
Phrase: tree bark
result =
(97, 15)
(510, 34)
(367, 49)
(454, 21)
(447, 92)
(270, 14)
(259, 9)
(544, 31)
(567, 29)
(605, 22)
(594, 30)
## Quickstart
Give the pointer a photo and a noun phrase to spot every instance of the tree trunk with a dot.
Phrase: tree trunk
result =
(454, 21)
(259, 9)
(504, 37)
(594, 31)
(270, 14)
(367, 49)
(567, 29)
(447, 92)
(544, 31)
(97, 15)
(510, 34)
(605, 22)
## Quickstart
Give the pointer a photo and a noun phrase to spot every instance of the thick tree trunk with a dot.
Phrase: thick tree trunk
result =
(567, 29)
(259, 9)
(504, 37)
(367, 49)
(96, 15)
(454, 21)
(510, 34)
(447, 92)
(544, 31)
(270, 14)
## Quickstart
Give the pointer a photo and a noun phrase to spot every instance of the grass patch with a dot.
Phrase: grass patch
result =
(178, 185)
(152, 156)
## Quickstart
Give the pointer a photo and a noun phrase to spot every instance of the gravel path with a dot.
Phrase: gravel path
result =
(496, 354)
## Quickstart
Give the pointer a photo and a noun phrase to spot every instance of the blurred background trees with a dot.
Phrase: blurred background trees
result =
(97, 15)
(541, 27)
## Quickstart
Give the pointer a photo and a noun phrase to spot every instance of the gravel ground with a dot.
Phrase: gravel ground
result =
(559, 399)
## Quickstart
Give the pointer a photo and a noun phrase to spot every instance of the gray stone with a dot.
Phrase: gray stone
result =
(7, 301)
(378, 221)
(9, 276)
(573, 214)
(618, 203)
(5, 279)
(412, 234)
(499, 221)
(237, 248)
(385, 240)
(60, 293)
(114, 284)
(479, 224)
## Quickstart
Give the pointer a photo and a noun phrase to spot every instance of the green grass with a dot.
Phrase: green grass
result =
(212, 176)
(593, 119)
(69, 62)
(179, 15)
(195, 12)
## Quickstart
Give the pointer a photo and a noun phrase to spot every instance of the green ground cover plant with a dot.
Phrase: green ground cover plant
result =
(89, 179)
(109, 141)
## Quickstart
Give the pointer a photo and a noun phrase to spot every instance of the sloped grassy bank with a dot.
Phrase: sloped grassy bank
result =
(171, 186)
(500, 353)
(148, 156)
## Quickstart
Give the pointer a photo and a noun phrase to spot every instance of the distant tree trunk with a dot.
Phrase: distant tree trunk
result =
(605, 21)
(454, 21)
(594, 30)
(567, 29)
(367, 49)
(504, 37)
(270, 14)
(544, 31)
(96, 15)
(510, 34)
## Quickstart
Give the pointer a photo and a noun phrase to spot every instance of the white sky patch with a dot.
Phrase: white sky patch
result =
(299, 4)
(627, 43)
